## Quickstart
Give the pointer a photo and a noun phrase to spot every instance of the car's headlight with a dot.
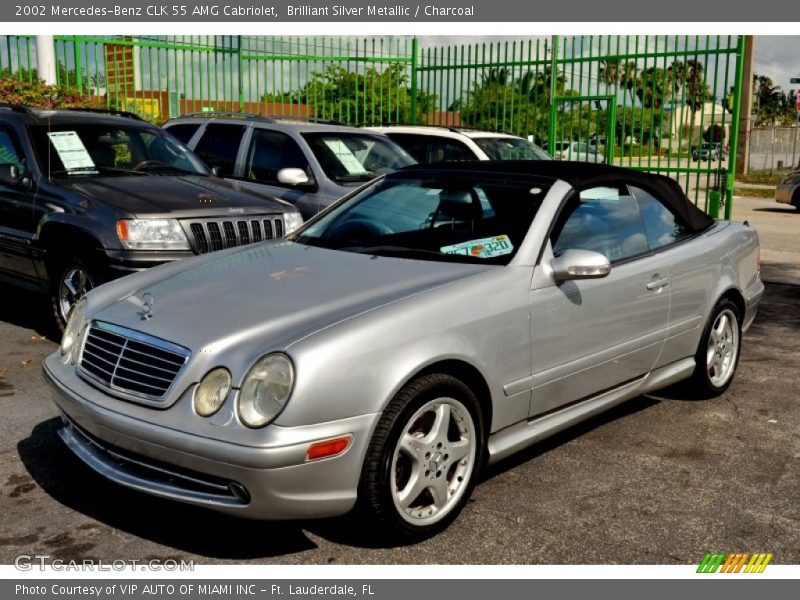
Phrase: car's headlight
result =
(265, 390)
(211, 392)
(291, 221)
(151, 234)
(75, 324)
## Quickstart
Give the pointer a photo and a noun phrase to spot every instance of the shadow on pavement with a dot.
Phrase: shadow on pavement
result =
(28, 310)
(183, 527)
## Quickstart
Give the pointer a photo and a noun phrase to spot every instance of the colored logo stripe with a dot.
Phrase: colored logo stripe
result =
(734, 562)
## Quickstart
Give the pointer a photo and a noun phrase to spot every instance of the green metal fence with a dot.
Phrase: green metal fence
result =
(645, 102)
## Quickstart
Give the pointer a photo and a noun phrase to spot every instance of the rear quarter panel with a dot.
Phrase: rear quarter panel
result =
(702, 270)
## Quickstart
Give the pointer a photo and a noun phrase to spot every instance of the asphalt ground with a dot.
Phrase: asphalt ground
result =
(659, 480)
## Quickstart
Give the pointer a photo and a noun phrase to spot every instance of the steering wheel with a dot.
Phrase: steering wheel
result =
(361, 226)
(147, 163)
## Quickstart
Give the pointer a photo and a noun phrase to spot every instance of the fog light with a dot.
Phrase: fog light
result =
(328, 448)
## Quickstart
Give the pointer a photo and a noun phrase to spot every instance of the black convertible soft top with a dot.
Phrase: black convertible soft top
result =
(582, 175)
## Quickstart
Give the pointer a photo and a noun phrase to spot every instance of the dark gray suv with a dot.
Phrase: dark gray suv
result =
(89, 196)
(310, 164)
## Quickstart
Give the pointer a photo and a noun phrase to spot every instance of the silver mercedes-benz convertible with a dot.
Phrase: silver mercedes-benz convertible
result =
(435, 320)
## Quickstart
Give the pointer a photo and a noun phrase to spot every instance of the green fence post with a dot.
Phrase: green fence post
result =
(240, 68)
(551, 134)
(733, 150)
(414, 66)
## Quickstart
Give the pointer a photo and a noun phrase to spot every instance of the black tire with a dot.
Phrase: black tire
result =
(59, 272)
(702, 383)
(382, 468)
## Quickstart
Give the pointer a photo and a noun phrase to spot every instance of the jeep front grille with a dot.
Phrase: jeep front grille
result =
(131, 361)
(209, 235)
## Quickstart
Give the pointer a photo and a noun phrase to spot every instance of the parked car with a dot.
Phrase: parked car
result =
(438, 318)
(788, 190)
(578, 151)
(708, 151)
(89, 196)
(310, 164)
(429, 144)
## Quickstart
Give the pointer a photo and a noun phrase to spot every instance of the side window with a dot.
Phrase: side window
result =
(444, 150)
(413, 144)
(219, 146)
(271, 151)
(183, 131)
(10, 153)
(662, 226)
(604, 220)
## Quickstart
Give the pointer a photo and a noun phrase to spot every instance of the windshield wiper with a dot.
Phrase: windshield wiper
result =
(356, 177)
(391, 250)
(96, 170)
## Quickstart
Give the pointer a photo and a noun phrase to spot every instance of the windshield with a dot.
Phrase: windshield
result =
(356, 157)
(454, 219)
(95, 149)
(502, 148)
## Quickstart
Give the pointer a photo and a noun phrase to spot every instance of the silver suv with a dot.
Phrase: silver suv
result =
(310, 164)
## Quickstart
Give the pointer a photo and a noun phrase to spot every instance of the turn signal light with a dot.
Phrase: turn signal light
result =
(328, 448)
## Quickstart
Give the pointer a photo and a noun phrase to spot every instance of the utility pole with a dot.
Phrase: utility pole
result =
(746, 113)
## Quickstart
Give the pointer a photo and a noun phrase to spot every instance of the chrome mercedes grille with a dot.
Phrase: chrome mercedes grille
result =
(130, 361)
(208, 235)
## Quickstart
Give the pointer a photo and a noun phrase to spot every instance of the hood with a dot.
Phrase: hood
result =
(267, 296)
(165, 195)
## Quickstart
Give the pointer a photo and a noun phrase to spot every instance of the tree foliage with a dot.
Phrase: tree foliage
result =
(372, 97)
(35, 92)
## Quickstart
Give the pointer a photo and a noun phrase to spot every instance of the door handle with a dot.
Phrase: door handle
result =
(657, 284)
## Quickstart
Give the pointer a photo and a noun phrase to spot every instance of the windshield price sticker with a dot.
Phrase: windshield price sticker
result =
(71, 151)
(346, 157)
(483, 248)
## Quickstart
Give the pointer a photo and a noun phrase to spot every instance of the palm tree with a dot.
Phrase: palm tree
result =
(628, 77)
(610, 71)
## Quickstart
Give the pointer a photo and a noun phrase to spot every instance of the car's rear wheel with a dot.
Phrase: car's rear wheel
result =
(424, 457)
(71, 279)
(718, 354)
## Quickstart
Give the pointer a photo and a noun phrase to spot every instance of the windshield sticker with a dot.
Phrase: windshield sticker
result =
(483, 248)
(346, 157)
(71, 151)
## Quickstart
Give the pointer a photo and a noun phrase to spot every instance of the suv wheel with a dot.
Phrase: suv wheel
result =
(70, 281)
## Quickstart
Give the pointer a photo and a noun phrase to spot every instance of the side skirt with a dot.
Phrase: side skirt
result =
(512, 439)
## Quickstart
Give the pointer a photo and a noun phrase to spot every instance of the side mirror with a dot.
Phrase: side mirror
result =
(9, 174)
(293, 177)
(580, 264)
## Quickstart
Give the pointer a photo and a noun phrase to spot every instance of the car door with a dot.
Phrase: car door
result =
(219, 146)
(16, 209)
(692, 275)
(593, 335)
(269, 151)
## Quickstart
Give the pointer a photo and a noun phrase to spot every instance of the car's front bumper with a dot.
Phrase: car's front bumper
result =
(274, 482)
(784, 192)
(125, 262)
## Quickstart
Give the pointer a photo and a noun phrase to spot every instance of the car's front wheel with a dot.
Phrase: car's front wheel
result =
(718, 354)
(424, 457)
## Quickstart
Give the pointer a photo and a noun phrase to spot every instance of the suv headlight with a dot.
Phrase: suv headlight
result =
(291, 221)
(265, 390)
(70, 345)
(151, 234)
